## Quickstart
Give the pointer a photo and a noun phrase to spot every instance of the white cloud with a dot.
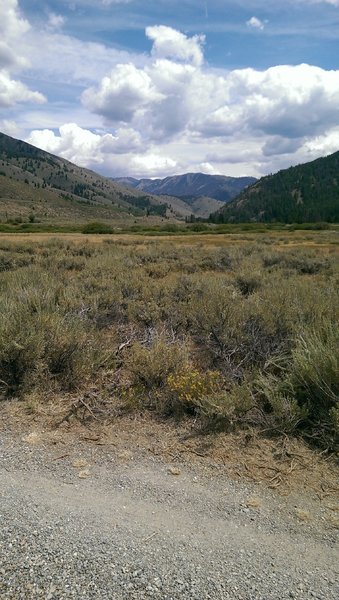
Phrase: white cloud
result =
(255, 23)
(55, 21)
(170, 43)
(150, 163)
(109, 2)
(119, 96)
(12, 24)
(111, 152)
(287, 101)
(12, 28)
(169, 111)
(12, 91)
(333, 2)
(167, 98)
(84, 147)
(9, 127)
(68, 60)
(323, 144)
(9, 58)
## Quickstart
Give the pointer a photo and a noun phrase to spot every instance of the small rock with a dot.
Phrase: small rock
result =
(174, 471)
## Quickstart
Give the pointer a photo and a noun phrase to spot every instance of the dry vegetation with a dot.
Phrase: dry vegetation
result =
(236, 335)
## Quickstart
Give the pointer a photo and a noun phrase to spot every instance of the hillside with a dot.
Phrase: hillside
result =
(305, 193)
(191, 186)
(38, 185)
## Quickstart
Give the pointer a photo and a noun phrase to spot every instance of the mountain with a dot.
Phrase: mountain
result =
(37, 185)
(192, 186)
(305, 193)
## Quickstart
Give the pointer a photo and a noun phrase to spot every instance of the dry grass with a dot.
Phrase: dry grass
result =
(327, 241)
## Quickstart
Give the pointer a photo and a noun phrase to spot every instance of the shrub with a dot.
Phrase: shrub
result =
(307, 390)
(97, 227)
(235, 331)
(281, 408)
(315, 370)
(150, 366)
(42, 336)
(60, 351)
(190, 386)
(209, 395)
(248, 283)
(204, 329)
(304, 265)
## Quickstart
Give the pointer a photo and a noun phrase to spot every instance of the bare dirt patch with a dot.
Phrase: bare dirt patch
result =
(284, 464)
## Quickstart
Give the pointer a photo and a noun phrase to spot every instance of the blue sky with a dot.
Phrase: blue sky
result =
(160, 87)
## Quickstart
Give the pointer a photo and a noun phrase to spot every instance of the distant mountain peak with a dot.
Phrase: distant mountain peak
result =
(193, 185)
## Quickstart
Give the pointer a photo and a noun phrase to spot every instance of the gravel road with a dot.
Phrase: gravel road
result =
(78, 522)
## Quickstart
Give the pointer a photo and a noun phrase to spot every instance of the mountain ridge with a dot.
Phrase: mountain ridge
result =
(218, 187)
(33, 181)
(308, 192)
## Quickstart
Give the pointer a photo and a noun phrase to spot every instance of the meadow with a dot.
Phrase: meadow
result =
(232, 331)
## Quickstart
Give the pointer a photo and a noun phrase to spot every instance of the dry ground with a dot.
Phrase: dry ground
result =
(283, 464)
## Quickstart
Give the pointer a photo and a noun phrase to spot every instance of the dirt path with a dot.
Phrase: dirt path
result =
(78, 523)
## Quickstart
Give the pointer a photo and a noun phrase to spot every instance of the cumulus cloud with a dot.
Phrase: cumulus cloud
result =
(12, 24)
(12, 28)
(159, 97)
(82, 145)
(255, 23)
(12, 91)
(167, 98)
(287, 101)
(170, 111)
(90, 149)
(153, 163)
(170, 43)
(9, 58)
(120, 95)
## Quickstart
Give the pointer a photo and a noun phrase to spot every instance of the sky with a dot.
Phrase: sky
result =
(152, 88)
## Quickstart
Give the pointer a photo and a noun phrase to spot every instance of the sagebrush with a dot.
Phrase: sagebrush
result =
(242, 332)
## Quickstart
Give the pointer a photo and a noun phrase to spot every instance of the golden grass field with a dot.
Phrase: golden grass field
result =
(317, 239)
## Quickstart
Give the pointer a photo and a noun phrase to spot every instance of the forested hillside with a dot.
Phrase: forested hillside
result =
(305, 193)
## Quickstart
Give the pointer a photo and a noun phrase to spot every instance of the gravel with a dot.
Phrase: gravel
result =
(139, 528)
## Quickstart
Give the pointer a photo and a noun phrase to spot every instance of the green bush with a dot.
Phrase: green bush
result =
(97, 227)
(43, 337)
(307, 390)
(315, 370)
(151, 365)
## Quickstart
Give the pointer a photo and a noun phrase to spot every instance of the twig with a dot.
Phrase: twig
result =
(123, 345)
(60, 457)
(194, 452)
(81, 401)
(150, 537)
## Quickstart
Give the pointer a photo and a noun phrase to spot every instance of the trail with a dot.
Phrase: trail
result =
(142, 529)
